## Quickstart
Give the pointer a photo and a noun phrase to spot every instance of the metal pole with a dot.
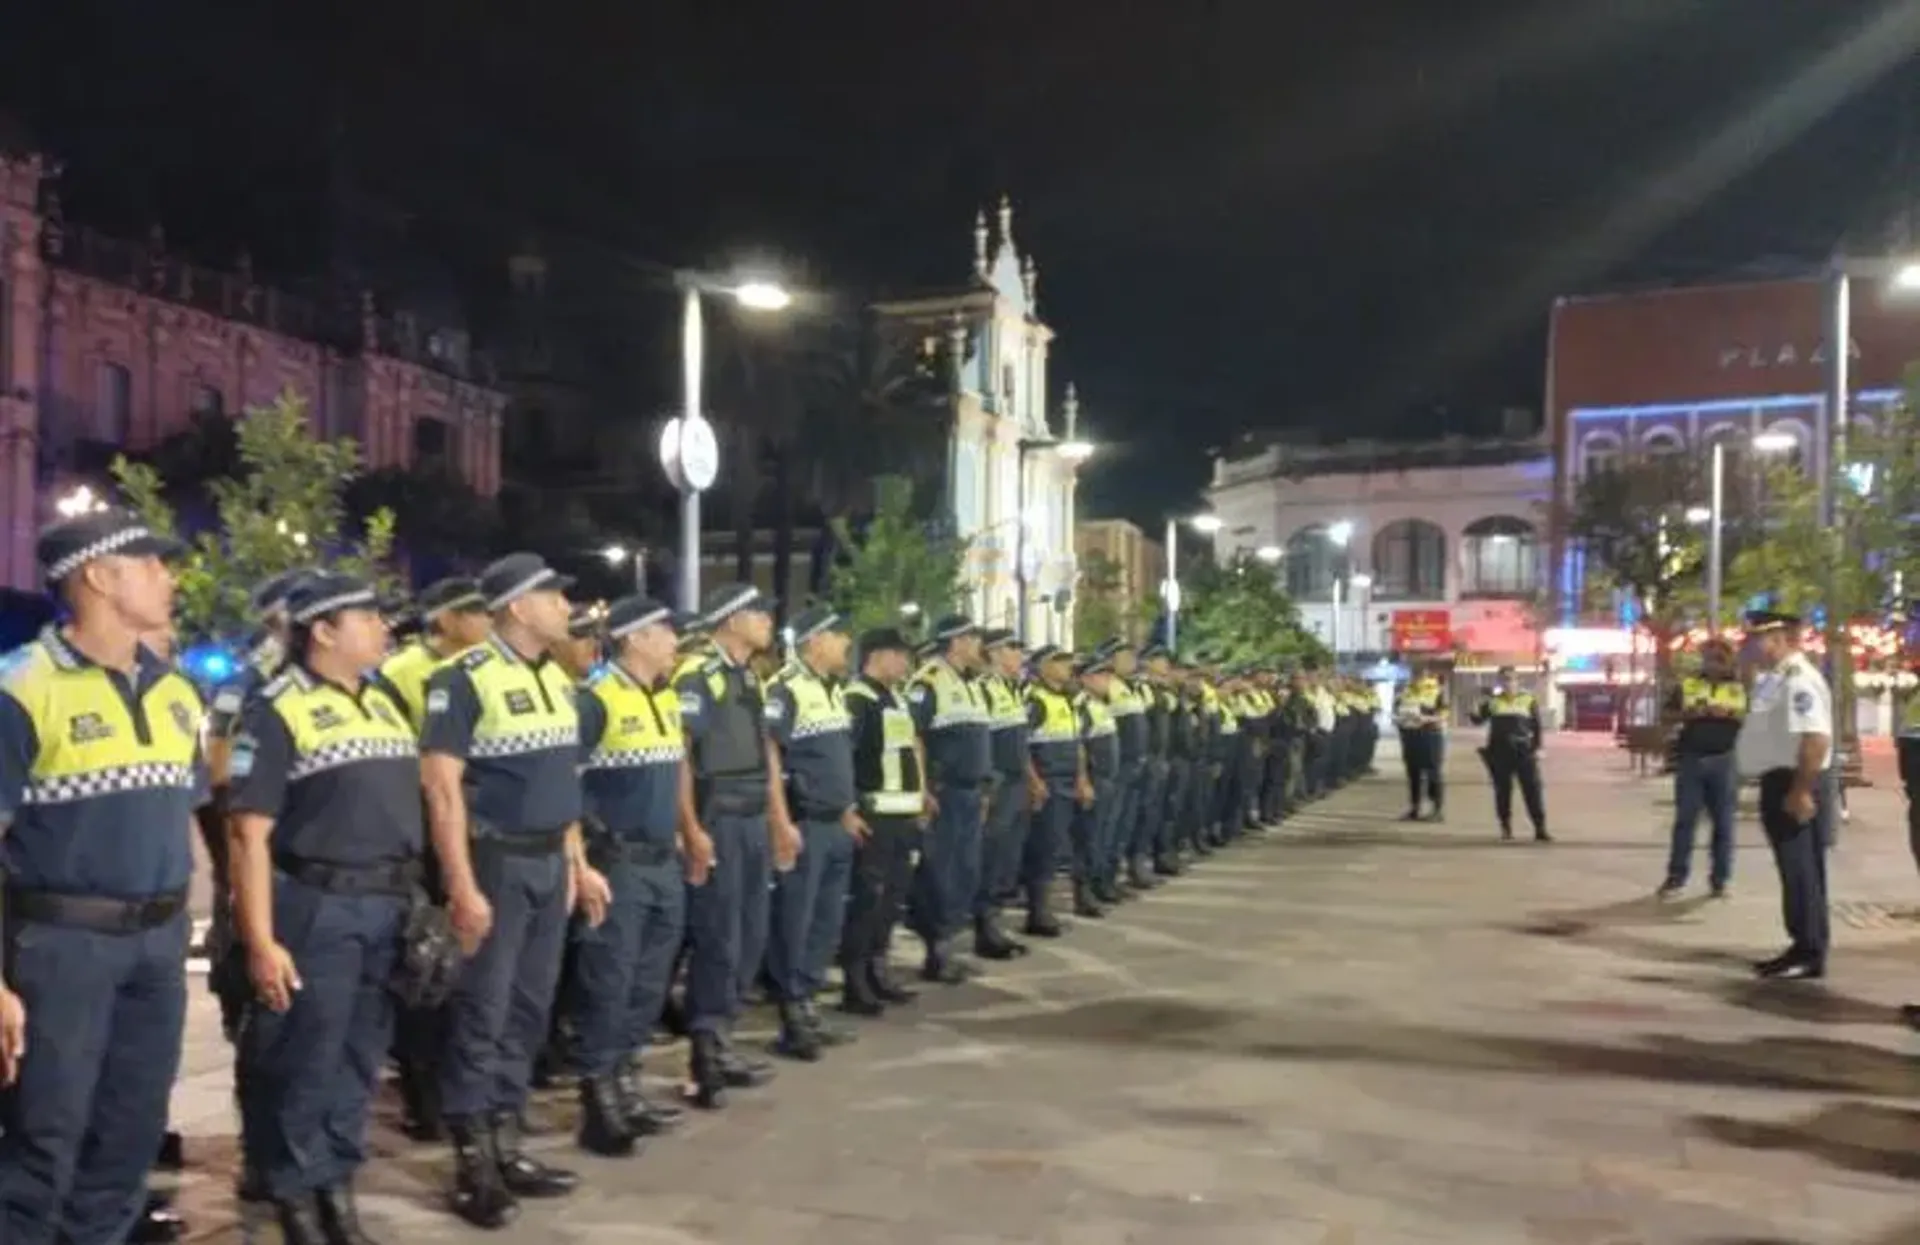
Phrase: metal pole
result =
(1831, 463)
(1714, 537)
(689, 550)
(640, 571)
(1339, 586)
(1020, 538)
(693, 340)
(1170, 589)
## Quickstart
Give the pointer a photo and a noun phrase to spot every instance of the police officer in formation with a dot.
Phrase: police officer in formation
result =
(1011, 794)
(1711, 705)
(739, 803)
(1786, 741)
(1127, 708)
(1141, 722)
(1059, 764)
(325, 821)
(889, 765)
(807, 718)
(1092, 825)
(100, 774)
(950, 708)
(1512, 751)
(499, 751)
(1421, 714)
(637, 793)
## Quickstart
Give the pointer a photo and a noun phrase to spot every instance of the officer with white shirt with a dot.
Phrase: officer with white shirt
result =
(1787, 743)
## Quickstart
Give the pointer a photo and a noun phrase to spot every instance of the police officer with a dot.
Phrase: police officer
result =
(950, 709)
(740, 803)
(1221, 813)
(1128, 708)
(1274, 769)
(1711, 705)
(1180, 743)
(498, 757)
(100, 771)
(808, 722)
(453, 618)
(325, 856)
(888, 762)
(579, 653)
(1512, 751)
(1145, 720)
(1058, 762)
(1421, 714)
(1010, 794)
(1093, 821)
(1787, 742)
(642, 837)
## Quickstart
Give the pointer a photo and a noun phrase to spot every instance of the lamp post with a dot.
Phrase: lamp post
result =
(616, 554)
(1339, 534)
(1206, 525)
(689, 451)
(1071, 451)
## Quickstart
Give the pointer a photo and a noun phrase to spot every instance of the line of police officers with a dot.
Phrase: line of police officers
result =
(429, 840)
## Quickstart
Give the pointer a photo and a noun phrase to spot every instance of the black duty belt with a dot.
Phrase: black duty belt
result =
(638, 853)
(96, 913)
(734, 802)
(391, 877)
(543, 843)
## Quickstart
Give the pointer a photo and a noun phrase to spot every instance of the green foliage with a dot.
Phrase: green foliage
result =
(897, 561)
(1239, 612)
(283, 508)
(1632, 523)
(1099, 611)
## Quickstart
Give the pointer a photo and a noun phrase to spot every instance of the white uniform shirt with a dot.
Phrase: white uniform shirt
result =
(1788, 701)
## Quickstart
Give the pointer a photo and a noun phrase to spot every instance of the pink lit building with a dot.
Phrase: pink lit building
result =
(108, 345)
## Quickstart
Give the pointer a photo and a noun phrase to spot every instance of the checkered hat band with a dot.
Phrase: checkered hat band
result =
(825, 624)
(359, 598)
(739, 599)
(645, 620)
(98, 549)
(73, 788)
(466, 602)
(543, 575)
(350, 752)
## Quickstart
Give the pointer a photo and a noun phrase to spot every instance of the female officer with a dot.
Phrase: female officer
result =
(326, 836)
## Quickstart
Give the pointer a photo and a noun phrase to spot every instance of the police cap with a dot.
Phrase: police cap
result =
(584, 620)
(1050, 652)
(631, 614)
(459, 594)
(70, 544)
(724, 602)
(1095, 662)
(517, 574)
(884, 640)
(325, 594)
(953, 626)
(1762, 621)
(270, 595)
(998, 637)
(817, 620)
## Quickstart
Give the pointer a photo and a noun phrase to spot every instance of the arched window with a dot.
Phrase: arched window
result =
(1410, 562)
(1599, 452)
(1501, 556)
(1314, 560)
(1662, 442)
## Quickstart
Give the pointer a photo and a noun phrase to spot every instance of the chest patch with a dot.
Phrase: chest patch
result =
(182, 718)
(326, 718)
(87, 728)
(519, 702)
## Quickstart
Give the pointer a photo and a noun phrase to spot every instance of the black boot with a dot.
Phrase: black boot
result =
(1105, 893)
(673, 1017)
(704, 1066)
(1167, 864)
(942, 965)
(857, 995)
(990, 942)
(173, 1153)
(645, 1117)
(480, 1193)
(299, 1221)
(1040, 919)
(605, 1127)
(524, 1175)
(1084, 903)
(824, 1031)
(885, 988)
(420, 1102)
(740, 1071)
(797, 1039)
(1140, 875)
(340, 1217)
(159, 1223)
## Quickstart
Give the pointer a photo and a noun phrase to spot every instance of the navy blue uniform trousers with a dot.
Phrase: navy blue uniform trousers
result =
(727, 920)
(497, 1018)
(809, 906)
(79, 1129)
(622, 968)
(310, 1071)
(1117, 837)
(1049, 828)
(949, 874)
(1001, 841)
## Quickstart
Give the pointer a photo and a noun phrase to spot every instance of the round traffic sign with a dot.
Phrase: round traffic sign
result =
(690, 453)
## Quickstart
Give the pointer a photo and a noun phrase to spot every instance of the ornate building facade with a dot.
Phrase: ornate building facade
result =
(1010, 488)
(107, 345)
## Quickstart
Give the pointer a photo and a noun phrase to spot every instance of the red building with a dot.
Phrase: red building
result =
(1672, 371)
(118, 345)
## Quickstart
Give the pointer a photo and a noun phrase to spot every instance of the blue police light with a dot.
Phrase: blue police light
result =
(209, 663)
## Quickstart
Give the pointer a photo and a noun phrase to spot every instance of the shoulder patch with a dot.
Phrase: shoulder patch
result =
(227, 700)
(438, 701)
(1802, 701)
(918, 693)
(275, 686)
(240, 758)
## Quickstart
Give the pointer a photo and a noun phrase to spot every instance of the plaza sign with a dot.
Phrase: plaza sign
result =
(1788, 354)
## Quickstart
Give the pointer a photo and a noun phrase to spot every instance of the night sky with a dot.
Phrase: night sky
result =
(1247, 215)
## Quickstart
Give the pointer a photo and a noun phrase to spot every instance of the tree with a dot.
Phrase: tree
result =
(435, 512)
(896, 560)
(1098, 610)
(283, 508)
(1239, 612)
(1631, 522)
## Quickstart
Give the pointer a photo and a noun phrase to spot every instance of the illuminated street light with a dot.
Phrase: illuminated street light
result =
(1775, 442)
(614, 554)
(1074, 452)
(80, 501)
(1699, 514)
(1363, 581)
(1269, 553)
(1340, 533)
(1907, 277)
(762, 296)
(1207, 524)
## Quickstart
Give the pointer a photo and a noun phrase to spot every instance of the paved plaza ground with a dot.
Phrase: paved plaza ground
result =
(1351, 1032)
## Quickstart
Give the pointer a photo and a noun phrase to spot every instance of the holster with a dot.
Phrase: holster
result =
(430, 958)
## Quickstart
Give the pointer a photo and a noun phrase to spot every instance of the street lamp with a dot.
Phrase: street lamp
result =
(616, 554)
(1339, 534)
(689, 451)
(1206, 524)
(1071, 451)
(81, 500)
(1270, 554)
